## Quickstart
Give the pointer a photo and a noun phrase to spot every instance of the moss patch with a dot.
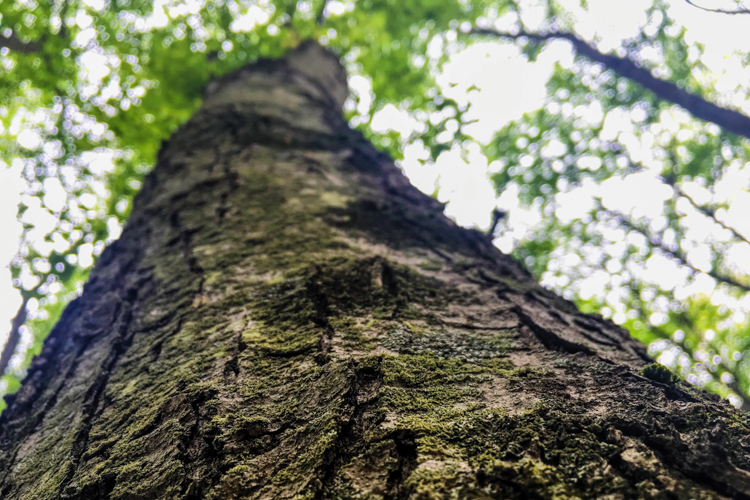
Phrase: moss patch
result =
(444, 343)
(659, 373)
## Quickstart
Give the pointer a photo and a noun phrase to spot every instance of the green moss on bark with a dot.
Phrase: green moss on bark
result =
(296, 322)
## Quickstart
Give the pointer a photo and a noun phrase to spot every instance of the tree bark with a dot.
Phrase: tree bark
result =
(286, 317)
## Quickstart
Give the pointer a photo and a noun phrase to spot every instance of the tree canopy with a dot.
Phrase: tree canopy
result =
(625, 191)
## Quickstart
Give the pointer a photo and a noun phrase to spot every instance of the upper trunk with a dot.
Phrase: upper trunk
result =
(286, 317)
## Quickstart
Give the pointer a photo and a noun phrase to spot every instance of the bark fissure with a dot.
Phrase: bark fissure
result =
(197, 446)
(550, 339)
(231, 178)
(320, 316)
(186, 237)
(94, 394)
(354, 422)
(407, 454)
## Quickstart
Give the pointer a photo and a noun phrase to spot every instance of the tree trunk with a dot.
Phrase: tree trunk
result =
(286, 317)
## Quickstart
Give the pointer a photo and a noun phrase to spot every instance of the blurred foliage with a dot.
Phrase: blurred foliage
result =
(91, 87)
(608, 141)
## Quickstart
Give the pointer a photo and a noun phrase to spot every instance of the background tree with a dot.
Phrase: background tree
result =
(90, 88)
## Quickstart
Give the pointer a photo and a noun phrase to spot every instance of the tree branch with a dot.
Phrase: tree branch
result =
(13, 338)
(720, 11)
(497, 216)
(729, 120)
(708, 212)
(677, 254)
(320, 18)
(711, 214)
(12, 42)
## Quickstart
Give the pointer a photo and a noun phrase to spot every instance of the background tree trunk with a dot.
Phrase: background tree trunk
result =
(285, 316)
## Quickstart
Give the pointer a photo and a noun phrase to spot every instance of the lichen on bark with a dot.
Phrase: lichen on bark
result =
(285, 316)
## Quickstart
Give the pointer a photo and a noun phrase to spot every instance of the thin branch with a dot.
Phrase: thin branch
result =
(720, 11)
(733, 385)
(12, 42)
(320, 18)
(676, 253)
(61, 12)
(729, 120)
(497, 216)
(13, 338)
(708, 212)
(711, 214)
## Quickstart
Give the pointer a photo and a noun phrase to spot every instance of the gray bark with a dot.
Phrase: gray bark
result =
(285, 317)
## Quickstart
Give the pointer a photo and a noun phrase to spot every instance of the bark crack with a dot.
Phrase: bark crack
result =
(232, 367)
(232, 179)
(406, 451)
(185, 238)
(316, 294)
(197, 445)
(354, 424)
(548, 338)
(94, 394)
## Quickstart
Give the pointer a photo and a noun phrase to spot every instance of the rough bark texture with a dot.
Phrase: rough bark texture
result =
(285, 317)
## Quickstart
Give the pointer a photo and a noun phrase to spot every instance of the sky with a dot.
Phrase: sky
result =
(507, 86)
